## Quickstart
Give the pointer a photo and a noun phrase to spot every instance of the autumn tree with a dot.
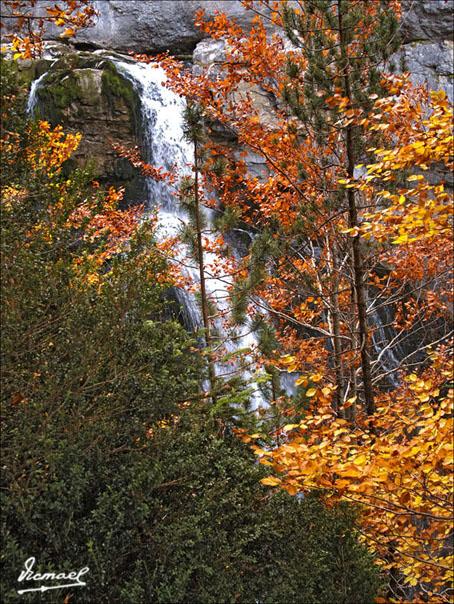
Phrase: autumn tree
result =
(342, 46)
(319, 278)
(25, 22)
(399, 465)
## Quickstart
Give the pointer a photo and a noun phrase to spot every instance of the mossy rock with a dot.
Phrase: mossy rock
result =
(59, 89)
(83, 80)
(30, 69)
(85, 93)
(115, 85)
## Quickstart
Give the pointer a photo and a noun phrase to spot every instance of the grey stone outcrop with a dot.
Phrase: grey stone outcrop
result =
(427, 20)
(85, 93)
(431, 63)
(149, 26)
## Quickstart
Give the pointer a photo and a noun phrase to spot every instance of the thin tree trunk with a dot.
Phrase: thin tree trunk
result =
(203, 291)
(355, 344)
(358, 268)
(335, 317)
(361, 308)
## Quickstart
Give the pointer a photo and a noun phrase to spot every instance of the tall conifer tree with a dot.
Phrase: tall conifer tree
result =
(195, 134)
(343, 46)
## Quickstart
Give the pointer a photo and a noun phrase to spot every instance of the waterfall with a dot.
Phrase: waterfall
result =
(386, 359)
(166, 147)
(33, 97)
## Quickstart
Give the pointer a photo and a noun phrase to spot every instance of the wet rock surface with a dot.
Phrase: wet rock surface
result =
(86, 94)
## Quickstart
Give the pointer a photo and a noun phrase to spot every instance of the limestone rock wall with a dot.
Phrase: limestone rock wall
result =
(149, 26)
(427, 29)
(86, 94)
(153, 26)
(427, 20)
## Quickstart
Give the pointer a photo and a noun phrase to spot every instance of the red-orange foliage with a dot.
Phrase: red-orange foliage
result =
(393, 457)
(95, 219)
(29, 27)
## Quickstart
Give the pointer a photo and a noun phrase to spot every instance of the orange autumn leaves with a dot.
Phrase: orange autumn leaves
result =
(29, 24)
(421, 124)
(50, 149)
(94, 218)
(415, 217)
(397, 465)
(396, 462)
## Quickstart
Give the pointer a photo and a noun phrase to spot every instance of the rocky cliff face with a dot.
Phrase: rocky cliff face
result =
(427, 28)
(427, 20)
(428, 32)
(431, 63)
(149, 26)
(85, 93)
(153, 26)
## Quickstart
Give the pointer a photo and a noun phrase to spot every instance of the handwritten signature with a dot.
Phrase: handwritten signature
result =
(29, 575)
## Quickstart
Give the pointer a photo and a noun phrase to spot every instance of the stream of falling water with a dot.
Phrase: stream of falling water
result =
(32, 97)
(166, 147)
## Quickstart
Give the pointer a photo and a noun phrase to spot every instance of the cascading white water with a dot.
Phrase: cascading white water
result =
(386, 360)
(33, 98)
(163, 136)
